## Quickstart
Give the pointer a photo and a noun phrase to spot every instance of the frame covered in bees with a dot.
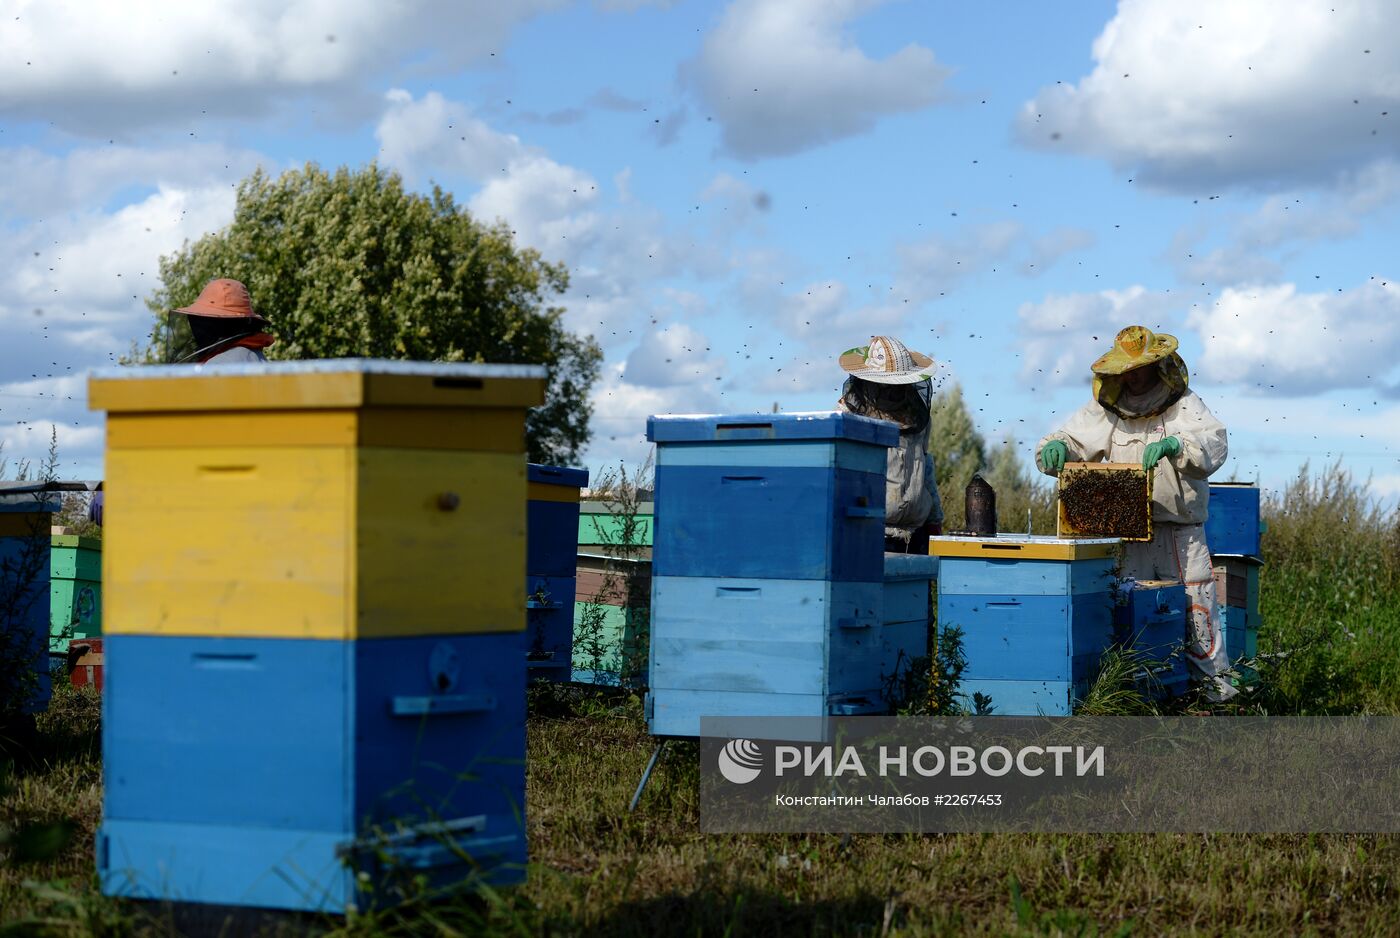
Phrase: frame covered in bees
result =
(1107, 499)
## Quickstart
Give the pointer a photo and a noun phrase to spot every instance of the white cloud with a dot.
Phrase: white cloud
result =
(74, 295)
(111, 67)
(1192, 93)
(1060, 336)
(1275, 340)
(933, 265)
(37, 183)
(674, 356)
(782, 77)
(621, 409)
(547, 204)
(1045, 251)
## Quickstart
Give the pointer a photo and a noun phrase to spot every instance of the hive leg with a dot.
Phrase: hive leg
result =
(646, 775)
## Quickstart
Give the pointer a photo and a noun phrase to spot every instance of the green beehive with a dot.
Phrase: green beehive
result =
(75, 590)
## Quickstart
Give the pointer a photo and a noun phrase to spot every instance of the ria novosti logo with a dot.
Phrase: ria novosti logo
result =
(740, 761)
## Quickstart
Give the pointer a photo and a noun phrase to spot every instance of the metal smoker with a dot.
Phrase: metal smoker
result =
(981, 508)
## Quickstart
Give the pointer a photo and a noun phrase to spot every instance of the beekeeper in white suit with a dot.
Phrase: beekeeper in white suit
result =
(1144, 412)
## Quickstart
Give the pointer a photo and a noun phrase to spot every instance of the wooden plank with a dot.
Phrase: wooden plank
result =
(164, 392)
(287, 428)
(998, 574)
(476, 430)
(678, 712)
(838, 454)
(738, 665)
(1023, 547)
(290, 387)
(733, 609)
(285, 867)
(423, 570)
(229, 541)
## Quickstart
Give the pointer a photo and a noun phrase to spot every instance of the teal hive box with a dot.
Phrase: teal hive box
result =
(75, 590)
(1036, 614)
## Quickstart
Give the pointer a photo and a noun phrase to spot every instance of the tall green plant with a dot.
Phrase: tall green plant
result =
(1330, 597)
(626, 581)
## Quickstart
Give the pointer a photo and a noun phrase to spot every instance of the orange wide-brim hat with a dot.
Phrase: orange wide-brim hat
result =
(222, 299)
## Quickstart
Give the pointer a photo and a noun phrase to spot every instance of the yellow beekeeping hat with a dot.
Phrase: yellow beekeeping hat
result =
(1134, 347)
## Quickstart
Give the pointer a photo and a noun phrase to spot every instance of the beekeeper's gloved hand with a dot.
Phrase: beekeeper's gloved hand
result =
(1168, 447)
(1053, 456)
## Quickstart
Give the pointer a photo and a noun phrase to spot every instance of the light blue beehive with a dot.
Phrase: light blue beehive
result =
(1036, 614)
(768, 587)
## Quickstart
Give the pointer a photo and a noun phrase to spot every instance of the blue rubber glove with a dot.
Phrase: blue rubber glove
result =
(1167, 447)
(1053, 456)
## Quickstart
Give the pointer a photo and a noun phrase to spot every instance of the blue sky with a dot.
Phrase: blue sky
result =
(744, 189)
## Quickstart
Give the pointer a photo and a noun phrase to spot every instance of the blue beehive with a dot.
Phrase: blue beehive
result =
(1150, 618)
(768, 567)
(1233, 524)
(1036, 614)
(268, 772)
(551, 568)
(26, 512)
(1233, 534)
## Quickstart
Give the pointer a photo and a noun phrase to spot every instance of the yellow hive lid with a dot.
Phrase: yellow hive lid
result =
(1023, 547)
(337, 383)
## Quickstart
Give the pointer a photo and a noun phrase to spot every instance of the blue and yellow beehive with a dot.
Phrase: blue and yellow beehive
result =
(768, 571)
(552, 568)
(26, 516)
(315, 628)
(1036, 614)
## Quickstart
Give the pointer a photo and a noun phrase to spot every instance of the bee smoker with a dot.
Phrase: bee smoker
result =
(981, 508)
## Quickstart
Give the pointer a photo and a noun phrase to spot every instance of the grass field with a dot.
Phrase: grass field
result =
(1331, 607)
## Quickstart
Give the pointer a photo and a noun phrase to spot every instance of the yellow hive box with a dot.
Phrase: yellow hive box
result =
(1022, 547)
(331, 499)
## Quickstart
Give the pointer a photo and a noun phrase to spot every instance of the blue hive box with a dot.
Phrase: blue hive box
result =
(1233, 525)
(768, 568)
(26, 515)
(1036, 614)
(1150, 618)
(552, 523)
(782, 496)
(268, 772)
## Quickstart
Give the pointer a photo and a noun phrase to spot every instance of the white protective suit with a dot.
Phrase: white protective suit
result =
(911, 494)
(1180, 497)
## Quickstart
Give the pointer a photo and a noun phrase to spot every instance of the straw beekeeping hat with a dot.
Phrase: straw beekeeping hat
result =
(887, 360)
(1134, 347)
(222, 299)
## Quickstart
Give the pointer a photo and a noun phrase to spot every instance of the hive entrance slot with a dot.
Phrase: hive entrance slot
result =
(460, 384)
